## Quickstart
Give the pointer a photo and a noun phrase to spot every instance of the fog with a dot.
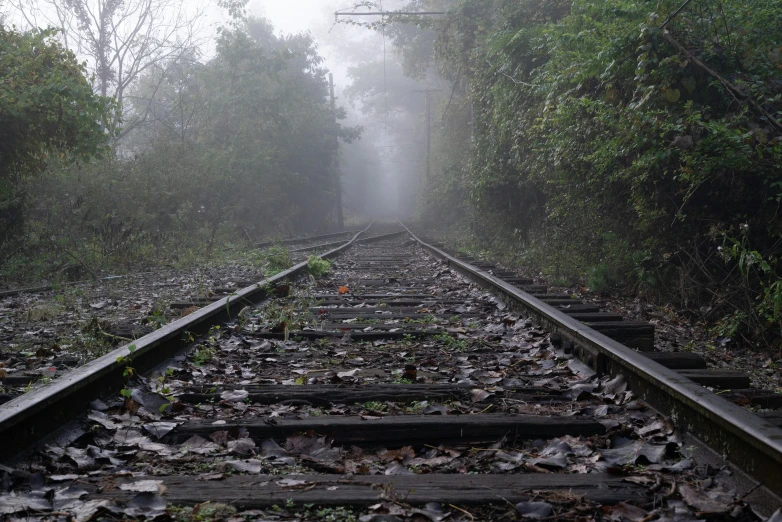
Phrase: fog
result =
(395, 161)
(217, 123)
(380, 172)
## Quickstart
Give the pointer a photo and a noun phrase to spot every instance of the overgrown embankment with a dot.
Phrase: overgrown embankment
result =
(631, 144)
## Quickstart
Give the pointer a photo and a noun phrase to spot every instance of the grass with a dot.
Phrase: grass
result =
(202, 512)
(202, 355)
(277, 259)
(374, 406)
(43, 312)
(458, 345)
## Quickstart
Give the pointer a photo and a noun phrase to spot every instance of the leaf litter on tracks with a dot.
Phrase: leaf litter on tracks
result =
(491, 356)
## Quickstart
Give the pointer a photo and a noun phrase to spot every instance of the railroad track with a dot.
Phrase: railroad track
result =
(46, 330)
(394, 387)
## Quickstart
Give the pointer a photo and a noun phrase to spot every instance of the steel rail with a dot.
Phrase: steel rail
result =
(367, 239)
(747, 441)
(294, 240)
(29, 418)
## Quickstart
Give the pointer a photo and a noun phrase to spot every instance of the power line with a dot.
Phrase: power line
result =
(337, 14)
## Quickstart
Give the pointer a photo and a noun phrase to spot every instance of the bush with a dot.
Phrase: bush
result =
(605, 152)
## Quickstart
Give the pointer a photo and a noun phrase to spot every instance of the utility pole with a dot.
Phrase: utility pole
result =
(337, 181)
(428, 126)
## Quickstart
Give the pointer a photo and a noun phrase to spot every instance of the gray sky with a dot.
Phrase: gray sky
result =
(290, 16)
(317, 17)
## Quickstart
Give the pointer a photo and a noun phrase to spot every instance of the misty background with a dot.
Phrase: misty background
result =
(380, 172)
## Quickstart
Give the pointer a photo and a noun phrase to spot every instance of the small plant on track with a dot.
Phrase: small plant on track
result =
(278, 258)
(317, 267)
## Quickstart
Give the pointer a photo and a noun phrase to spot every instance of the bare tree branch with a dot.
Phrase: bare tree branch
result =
(121, 39)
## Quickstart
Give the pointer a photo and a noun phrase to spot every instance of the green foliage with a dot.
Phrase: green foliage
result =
(599, 149)
(47, 110)
(375, 406)
(317, 267)
(202, 355)
(458, 345)
(128, 372)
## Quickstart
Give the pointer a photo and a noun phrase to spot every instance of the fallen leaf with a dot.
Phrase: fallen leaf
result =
(252, 466)
(553, 462)
(151, 401)
(62, 478)
(211, 476)
(160, 429)
(234, 395)
(776, 517)
(395, 468)
(70, 493)
(293, 483)
(628, 452)
(478, 395)
(534, 509)
(199, 445)
(79, 456)
(102, 419)
(81, 511)
(12, 503)
(397, 454)
(703, 501)
(144, 486)
(149, 505)
(623, 512)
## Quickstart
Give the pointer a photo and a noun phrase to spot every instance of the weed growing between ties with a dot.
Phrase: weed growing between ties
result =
(317, 267)
(457, 345)
(205, 351)
(277, 259)
(282, 315)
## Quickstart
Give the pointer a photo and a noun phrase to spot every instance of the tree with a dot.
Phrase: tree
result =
(255, 128)
(47, 108)
(122, 39)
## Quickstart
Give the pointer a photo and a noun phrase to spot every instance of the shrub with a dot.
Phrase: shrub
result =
(317, 267)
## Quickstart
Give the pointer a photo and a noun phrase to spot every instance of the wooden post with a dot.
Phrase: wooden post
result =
(337, 181)
(428, 126)
(428, 134)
